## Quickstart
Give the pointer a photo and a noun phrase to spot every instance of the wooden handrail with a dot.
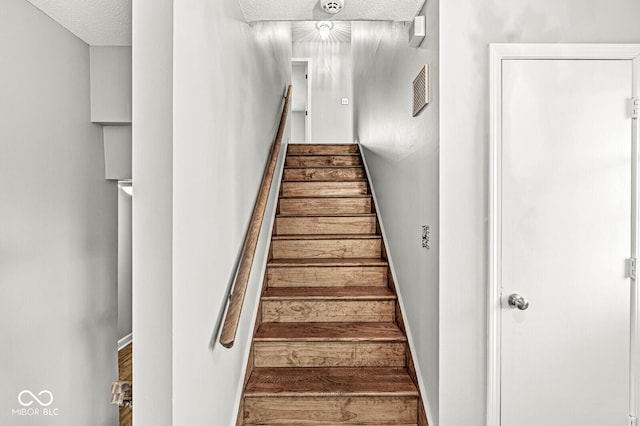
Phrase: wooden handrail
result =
(232, 318)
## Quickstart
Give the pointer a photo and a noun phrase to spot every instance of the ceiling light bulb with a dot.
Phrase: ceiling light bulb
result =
(324, 29)
(324, 32)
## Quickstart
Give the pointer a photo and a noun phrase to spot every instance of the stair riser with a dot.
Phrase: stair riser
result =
(323, 161)
(326, 249)
(342, 410)
(317, 206)
(328, 311)
(329, 354)
(359, 276)
(325, 225)
(324, 174)
(323, 189)
(321, 149)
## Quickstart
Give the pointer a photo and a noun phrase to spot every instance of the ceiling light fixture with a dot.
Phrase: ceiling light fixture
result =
(332, 6)
(324, 29)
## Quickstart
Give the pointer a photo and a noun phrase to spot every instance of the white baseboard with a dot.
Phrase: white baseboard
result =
(126, 340)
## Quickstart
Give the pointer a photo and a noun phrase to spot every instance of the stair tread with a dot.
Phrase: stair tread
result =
(323, 145)
(306, 216)
(324, 154)
(334, 143)
(327, 262)
(332, 156)
(328, 237)
(330, 331)
(329, 293)
(307, 197)
(330, 381)
(321, 197)
(313, 182)
(349, 144)
(318, 185)
(322, 167)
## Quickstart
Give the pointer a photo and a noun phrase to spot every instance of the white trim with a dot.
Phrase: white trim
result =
(273, 204)
(522, 51)
(494, 323)
(416, 365)
(497, 54)
(307, 119)
(634, 367)
(126, 340)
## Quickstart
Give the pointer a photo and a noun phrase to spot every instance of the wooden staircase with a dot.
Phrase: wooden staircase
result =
(329, 345)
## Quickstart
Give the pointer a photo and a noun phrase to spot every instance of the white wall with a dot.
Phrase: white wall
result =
(111, 84)
(402, 153)
(331, 80)
(467, 27)
(152, 216)
(229, 83)
(117, 152)
(58, 307)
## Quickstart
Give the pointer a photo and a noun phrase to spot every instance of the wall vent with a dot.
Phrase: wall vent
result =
(421, 90)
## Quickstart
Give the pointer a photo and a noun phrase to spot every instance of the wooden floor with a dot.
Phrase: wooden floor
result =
(329, 345)
(125, 373)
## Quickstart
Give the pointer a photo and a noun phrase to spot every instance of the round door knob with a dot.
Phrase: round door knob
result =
(518, 302)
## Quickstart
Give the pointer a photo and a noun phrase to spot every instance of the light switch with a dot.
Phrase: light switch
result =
(345, 101)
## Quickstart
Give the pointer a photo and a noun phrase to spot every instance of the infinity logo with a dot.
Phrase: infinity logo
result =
(35, 398)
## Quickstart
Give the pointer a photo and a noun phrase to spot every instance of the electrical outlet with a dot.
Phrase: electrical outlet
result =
(345, 101)
(426, 236)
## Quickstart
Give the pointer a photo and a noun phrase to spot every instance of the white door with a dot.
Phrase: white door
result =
(300, 101)
(566, 232)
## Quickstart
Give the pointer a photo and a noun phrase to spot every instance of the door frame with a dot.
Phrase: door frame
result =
(307, 118)
(497, 53)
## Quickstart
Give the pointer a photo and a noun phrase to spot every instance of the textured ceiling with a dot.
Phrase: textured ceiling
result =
(310, 10)
(97, 22)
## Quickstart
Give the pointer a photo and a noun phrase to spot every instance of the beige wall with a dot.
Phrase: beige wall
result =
(402, 154)
(58, 301)
(467, 28)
